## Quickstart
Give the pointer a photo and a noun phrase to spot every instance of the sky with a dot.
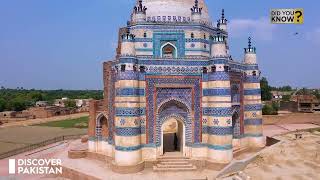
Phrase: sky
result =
(59, 44)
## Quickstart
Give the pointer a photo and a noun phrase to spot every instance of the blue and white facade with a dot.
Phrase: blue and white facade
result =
(174, 64)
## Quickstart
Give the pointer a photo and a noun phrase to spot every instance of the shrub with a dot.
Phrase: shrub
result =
(269, 109)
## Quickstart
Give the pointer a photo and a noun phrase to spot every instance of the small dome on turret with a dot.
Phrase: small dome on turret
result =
(127, 43)
(250, 56)
(222, 23)
(219, 48)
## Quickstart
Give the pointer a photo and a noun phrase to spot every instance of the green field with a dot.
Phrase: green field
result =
(72, 123)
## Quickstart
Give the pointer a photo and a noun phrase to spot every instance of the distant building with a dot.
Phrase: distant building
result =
(7, 114)
(301, 103)
(50, 111)
(59, 103)
(82, 102)
(41, 103)
(306, 103)
(278, 95)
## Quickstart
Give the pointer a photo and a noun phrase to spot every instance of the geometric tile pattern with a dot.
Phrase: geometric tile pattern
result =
(216, 92)
(128, 131)
(253, 107)
(217, 111)
(129, 92)
(220, 131)
(130, 112)
(173, 82)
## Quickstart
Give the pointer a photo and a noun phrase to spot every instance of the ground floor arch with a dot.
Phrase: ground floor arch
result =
(101, 126)
(173, 136)
(173, 117)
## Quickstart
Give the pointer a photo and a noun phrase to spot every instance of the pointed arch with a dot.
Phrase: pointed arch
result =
(168, 50)
(173, 101)
(101, 126)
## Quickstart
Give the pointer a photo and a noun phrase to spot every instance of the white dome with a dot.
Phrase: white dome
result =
(156, 8)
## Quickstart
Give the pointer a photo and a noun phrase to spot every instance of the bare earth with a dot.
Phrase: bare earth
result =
(16, 137)
(289, 159)
(44, 120)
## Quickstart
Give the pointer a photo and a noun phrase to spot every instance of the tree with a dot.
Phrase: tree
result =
(269, 110)
(36, 96)
(286, 98)
(70, 103)
(266, 94)
(18, 104)
(2, 105)
(317, 94)
(304, 91)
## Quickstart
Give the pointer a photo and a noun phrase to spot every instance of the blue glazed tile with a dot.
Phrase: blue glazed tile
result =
(255, 122)
(128, 131)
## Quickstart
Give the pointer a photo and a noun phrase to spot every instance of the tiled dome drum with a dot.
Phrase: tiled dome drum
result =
(166, 10)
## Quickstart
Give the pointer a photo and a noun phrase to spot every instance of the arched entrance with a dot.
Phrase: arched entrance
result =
(173, 135)
(236, 125)
(101, 126)
(173, 116)
(236, 128)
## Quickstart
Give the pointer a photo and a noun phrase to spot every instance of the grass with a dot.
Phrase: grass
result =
(67, 123)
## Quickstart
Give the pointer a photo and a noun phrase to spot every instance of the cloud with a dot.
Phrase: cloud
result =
(260, 28)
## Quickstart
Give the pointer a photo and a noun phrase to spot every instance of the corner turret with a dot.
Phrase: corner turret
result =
(139, 13)
(250, 56)
(127, 44)
(196, 12)
(218, 47)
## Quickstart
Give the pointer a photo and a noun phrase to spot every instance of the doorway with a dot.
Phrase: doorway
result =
(173, 136)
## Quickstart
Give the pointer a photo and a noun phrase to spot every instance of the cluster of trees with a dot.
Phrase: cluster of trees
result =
(266, 95)
(20, 99)
(266, 89)
(282, 88)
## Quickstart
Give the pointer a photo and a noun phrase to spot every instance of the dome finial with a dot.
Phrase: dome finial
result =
(223, 19)
(140, 8)
(222, 15)
(195, 8)
(250, 48)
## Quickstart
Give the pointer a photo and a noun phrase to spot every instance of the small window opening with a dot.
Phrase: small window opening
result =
(226, 68)
(213, 68)
(205, 70)
(142, 69)
(123, 67)
(254, 73)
